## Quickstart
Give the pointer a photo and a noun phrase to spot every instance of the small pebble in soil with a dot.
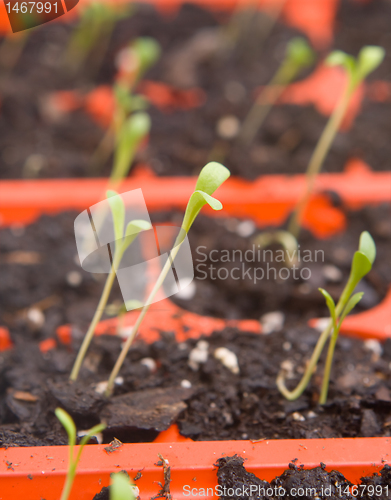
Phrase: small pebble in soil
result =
(311, 414)
(125, 331)
(234, 91)
(288, 366)
(321, 324)
(332, 273)
(150, 363)
(298, 417)
(287, 346)
(35, 318)
(186, 292)
(186, 384)
(198, 355)
(228, 127)
(272, 322)
(98, 436)
(375, 347)
(101, 387)
(74, 278)
(228, 359)
(245, 228)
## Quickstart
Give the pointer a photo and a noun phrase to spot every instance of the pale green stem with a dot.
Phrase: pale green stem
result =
(97, 316)
(70, 475)
(327, 368)
(265, 101)
(300, 388)
(318, 156)
(144, 310)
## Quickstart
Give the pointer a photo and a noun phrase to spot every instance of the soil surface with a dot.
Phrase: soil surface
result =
(34, 144)
(207, 401)
(231, 473)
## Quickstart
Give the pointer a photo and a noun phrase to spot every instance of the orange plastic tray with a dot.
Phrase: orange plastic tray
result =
(36, 473)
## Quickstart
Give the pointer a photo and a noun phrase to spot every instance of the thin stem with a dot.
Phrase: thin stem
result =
(95, 320)
(327, 368)
(319, 155)
(265, 101)
(144, 310)
(300, 388)
(330, 353)
(66, 491)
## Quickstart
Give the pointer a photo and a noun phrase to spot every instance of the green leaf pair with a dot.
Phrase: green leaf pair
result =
(123, 237)
(210, 178)
(369, 58)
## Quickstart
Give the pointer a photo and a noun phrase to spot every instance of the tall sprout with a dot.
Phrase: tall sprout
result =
(123, 238)
(361, 265)
(211, 177)
(298, 55)
(144, 52)
(357, 70)
(69, 426)
(92, 34)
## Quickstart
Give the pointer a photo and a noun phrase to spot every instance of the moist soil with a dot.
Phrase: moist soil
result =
(236, 482)
(39, 291)
(231, 473)
(34, 144)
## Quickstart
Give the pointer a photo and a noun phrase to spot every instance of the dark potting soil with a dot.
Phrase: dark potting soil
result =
(208, 403)
(234, 482)
(183, 141)
(39, 291)
(316, 483)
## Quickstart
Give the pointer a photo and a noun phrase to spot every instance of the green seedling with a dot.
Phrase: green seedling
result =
(298, 55)
(283, 238)
(93, 33)
(210, 178)
(121, 488)
(144, 52)
(69, 426)
(361, 265)
(133, 131)
(123, 238)
(369, 58)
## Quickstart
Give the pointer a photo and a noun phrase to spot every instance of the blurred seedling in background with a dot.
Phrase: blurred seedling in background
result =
(210, 178)
(249, 26)
(90, 39)
(123, 238)
(298, 55)
(357, 69)
(121, 488)
(361, 265)
(69, 426)
(134, 61)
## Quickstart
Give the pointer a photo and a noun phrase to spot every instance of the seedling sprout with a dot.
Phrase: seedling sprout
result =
(69, 426)
(361, 265)
(298, 55)
(210, 178)
(123, 238)
(142, 54)
(94, 30)
(369, 58)
(121, 488)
